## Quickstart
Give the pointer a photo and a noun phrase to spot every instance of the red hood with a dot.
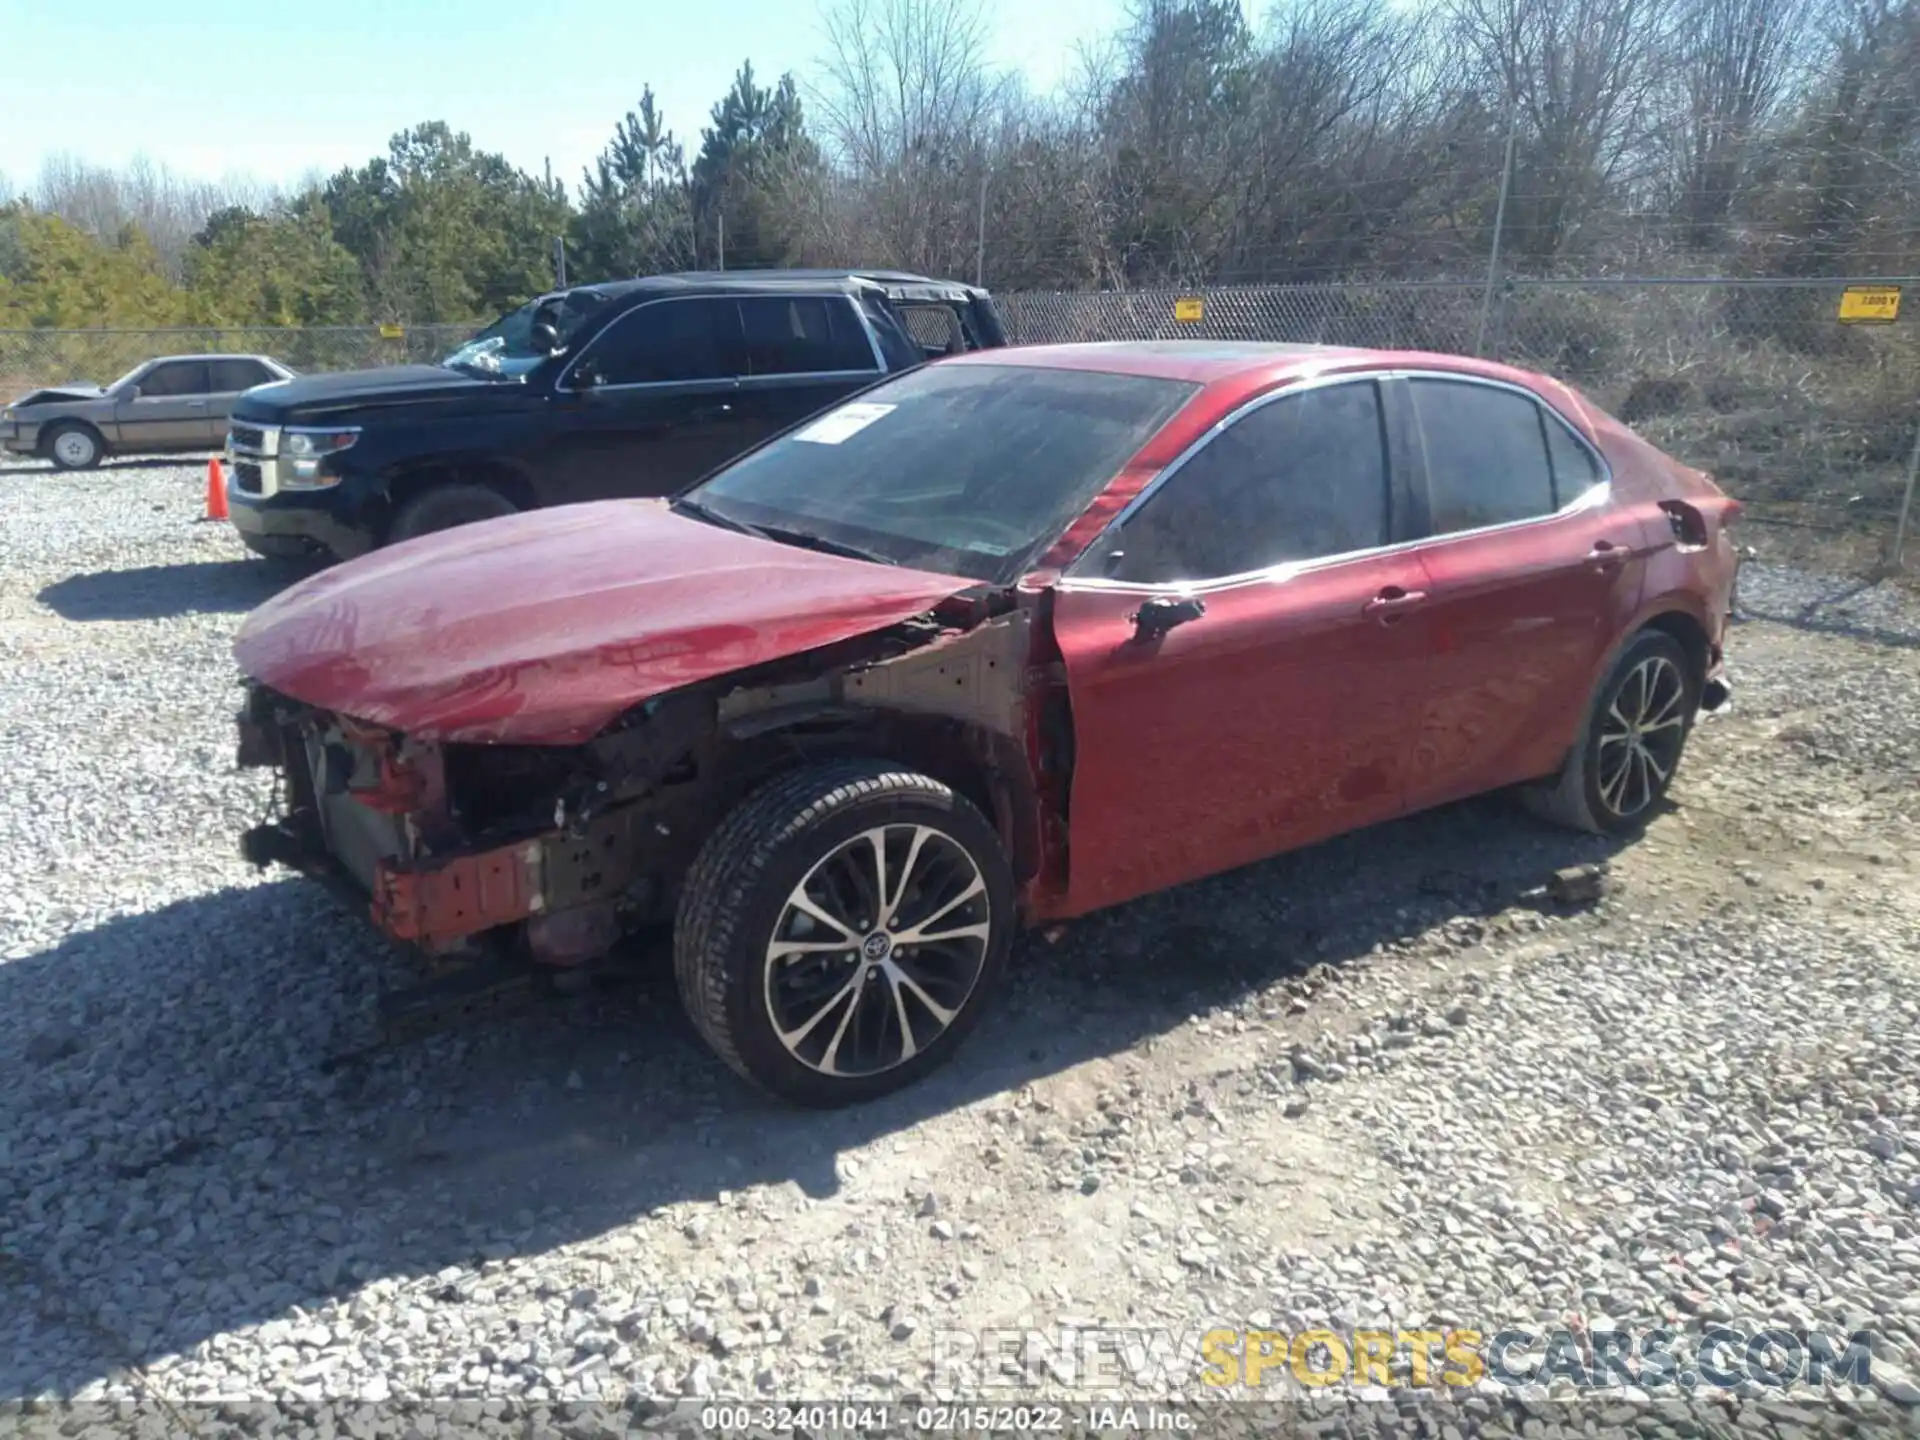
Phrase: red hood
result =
(541, 628)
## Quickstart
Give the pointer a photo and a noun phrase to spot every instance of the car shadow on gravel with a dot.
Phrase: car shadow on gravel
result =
(244, 1178)
(159, 592)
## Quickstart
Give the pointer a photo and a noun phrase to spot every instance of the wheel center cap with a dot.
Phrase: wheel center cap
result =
(876, 947)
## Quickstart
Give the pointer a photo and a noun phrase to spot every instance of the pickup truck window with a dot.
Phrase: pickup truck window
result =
(664, 342)
(803, 335)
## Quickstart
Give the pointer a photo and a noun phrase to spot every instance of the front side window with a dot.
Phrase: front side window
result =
(181, 377)
(505, 349)
(802, 335)
(1486, 455)
(665, 342)
(1302, 477)
(965, 469)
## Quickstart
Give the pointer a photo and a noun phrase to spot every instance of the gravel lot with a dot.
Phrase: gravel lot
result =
(1379, 1081)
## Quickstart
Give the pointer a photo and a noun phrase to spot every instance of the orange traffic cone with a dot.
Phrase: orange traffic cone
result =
(216, 491)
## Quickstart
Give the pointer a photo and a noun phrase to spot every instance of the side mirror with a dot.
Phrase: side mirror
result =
(133, 392)
(544, 338)
(1157, 616)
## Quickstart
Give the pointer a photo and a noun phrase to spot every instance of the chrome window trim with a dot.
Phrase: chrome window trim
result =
(1594, 495)
(562, 381)
(807, 377)
(1552, 412)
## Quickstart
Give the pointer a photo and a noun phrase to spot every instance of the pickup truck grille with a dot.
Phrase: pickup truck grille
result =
(251, 452)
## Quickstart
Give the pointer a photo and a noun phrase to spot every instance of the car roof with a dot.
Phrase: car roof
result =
(1239, 364)
(723, 281)
(216, 355)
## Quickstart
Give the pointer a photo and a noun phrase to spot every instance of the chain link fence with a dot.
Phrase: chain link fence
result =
(1814, 422)
(31, 358)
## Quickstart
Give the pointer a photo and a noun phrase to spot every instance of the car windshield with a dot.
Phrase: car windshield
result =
(505, 349)
(967, 469)
(127, 379)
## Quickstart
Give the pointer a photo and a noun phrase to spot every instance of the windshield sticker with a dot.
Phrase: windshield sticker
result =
(848, 420)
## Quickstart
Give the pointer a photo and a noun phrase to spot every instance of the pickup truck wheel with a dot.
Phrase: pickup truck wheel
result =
(1630, 745)
(75, 447)
(842, 930)
(446, 506)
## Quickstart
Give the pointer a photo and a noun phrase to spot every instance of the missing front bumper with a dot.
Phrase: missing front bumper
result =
(565, 884)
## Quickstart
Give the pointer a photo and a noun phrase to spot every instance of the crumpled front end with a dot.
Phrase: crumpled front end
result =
(371, 812)
(559, 849)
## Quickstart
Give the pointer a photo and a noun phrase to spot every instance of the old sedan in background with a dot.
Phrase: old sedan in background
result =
(174, 403)
(1002, 641)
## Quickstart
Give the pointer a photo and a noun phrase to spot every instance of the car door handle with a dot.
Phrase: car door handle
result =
(1393, 602)
(1605, 555)
(196, 404)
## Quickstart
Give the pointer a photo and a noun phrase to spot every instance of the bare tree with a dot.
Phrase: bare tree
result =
(1327, 165)
(1732, 66)
(1578, 78)
(907, 101)
(167, 207)
(1842, 190)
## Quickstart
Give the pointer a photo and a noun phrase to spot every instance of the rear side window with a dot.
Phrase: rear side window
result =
(667, 341)
(1486, 455)
(1301, 478)
(231, 375)
(935, 328)
(183, 377)
(1574, 468)
(896, 346)
(803, 335)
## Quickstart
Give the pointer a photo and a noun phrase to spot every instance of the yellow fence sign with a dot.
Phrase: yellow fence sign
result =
(393, 332)
(1189, 309)
(1870, 304)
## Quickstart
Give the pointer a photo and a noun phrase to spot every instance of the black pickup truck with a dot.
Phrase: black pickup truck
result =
(634, 388)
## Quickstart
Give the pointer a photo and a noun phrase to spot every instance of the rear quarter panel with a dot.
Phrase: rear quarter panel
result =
(1695, 580)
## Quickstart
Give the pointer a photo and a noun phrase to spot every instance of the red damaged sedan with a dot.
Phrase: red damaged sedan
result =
(1001, 641)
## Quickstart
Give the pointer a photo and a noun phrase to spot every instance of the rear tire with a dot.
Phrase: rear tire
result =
(73, 446)
(1630, 743)
(445, 506)
(827, 968)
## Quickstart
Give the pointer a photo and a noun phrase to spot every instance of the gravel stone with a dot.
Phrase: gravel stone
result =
(1693, 1099)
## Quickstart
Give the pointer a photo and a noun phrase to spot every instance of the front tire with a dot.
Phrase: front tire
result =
(445, 506)
(75, 447)
(842, 931)
(1630, 744)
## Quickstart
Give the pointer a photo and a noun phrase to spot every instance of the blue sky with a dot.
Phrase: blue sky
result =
(276, 88)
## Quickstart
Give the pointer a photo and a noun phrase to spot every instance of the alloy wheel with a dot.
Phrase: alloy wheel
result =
(1641, 736)
(877, 949)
